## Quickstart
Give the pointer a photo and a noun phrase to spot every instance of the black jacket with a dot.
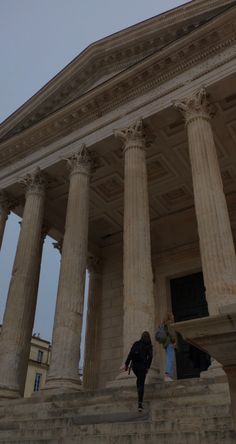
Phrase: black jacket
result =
(140, 355)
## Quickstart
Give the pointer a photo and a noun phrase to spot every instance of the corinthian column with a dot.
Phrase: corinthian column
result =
(21, 301)
(138, 278)
(215, 236)
(63, 371)
(92, 353)
(4, 212)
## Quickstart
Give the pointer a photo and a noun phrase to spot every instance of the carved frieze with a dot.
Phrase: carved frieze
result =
(135, 81)
(89, 67)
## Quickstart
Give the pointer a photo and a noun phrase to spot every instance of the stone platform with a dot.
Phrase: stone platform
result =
(187, 412)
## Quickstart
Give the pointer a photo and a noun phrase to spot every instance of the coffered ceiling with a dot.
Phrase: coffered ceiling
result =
(168, 166)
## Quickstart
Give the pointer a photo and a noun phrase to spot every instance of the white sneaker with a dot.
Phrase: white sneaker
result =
(167, 378)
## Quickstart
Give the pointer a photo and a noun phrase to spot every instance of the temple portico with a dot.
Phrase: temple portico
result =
(154, 222)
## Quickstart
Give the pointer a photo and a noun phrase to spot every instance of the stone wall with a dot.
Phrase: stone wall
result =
(176, 261)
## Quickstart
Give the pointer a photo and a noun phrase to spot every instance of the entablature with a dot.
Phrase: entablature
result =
(108, 57)
(194, 49)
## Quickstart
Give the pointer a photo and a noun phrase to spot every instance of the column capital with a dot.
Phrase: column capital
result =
(45, 231)
(94, 264)
(58, 245)
(80, 161)
(34, 182)
(196, 106)
(133, 135)
(5, 203)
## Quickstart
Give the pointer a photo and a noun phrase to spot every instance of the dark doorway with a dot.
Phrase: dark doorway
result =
(189, 302)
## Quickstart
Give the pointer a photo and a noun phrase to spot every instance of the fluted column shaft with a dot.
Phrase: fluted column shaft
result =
(63, 371)
(4, 212)
(215, 235)
(92, 353)
(138, 278)
(22, 296)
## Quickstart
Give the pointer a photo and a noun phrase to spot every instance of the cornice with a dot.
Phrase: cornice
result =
(214, 37)
(111, 54)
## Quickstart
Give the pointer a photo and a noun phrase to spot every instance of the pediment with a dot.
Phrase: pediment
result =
(108, 58)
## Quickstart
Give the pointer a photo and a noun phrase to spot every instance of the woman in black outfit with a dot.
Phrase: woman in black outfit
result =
(140, 357)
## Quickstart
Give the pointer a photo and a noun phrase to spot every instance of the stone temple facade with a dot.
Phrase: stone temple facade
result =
(127, 159)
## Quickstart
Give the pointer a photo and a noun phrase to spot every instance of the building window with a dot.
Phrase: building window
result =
(37, 382)
(40, 356)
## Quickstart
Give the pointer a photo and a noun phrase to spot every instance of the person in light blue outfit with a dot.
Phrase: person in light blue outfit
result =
(169, 345)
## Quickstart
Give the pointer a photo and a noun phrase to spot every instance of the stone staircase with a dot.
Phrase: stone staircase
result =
(182, 412)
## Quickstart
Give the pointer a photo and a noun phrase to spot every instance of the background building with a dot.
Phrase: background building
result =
(38, 365)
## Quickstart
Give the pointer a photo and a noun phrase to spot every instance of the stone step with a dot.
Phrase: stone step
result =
(113, 424)
(221, 437)
(167, 399)
(207, 411)
(157, 411)
(193, 411)
(126, 420)
(158, 408)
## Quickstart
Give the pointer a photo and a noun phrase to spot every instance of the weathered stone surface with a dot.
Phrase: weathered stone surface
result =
(63, 371)
(215, 234)
(22, 296)
(137, 268)
(181, 412)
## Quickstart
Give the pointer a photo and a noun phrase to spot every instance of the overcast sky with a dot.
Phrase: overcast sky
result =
(37, 39)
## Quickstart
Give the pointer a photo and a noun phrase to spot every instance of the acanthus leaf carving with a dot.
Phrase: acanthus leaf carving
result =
(82, 161)
(4, 203)
(132, 135)
(195, 106)
(7, 203)
(34, 182)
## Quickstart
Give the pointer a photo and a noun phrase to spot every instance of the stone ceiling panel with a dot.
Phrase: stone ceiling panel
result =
(158, 169)
(102, 228)
(109, 188)
(177, 199)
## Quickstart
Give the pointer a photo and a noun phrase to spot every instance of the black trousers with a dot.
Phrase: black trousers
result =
(140, 373)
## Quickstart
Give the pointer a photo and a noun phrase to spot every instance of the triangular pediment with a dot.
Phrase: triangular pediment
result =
(108, 58)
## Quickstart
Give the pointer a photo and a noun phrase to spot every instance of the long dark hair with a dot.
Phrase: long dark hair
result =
(146, 338)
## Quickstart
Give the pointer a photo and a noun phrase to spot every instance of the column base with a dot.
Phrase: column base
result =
(60, 386)
(128, 380)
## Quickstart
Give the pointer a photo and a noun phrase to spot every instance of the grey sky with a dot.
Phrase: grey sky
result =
(37, 39)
